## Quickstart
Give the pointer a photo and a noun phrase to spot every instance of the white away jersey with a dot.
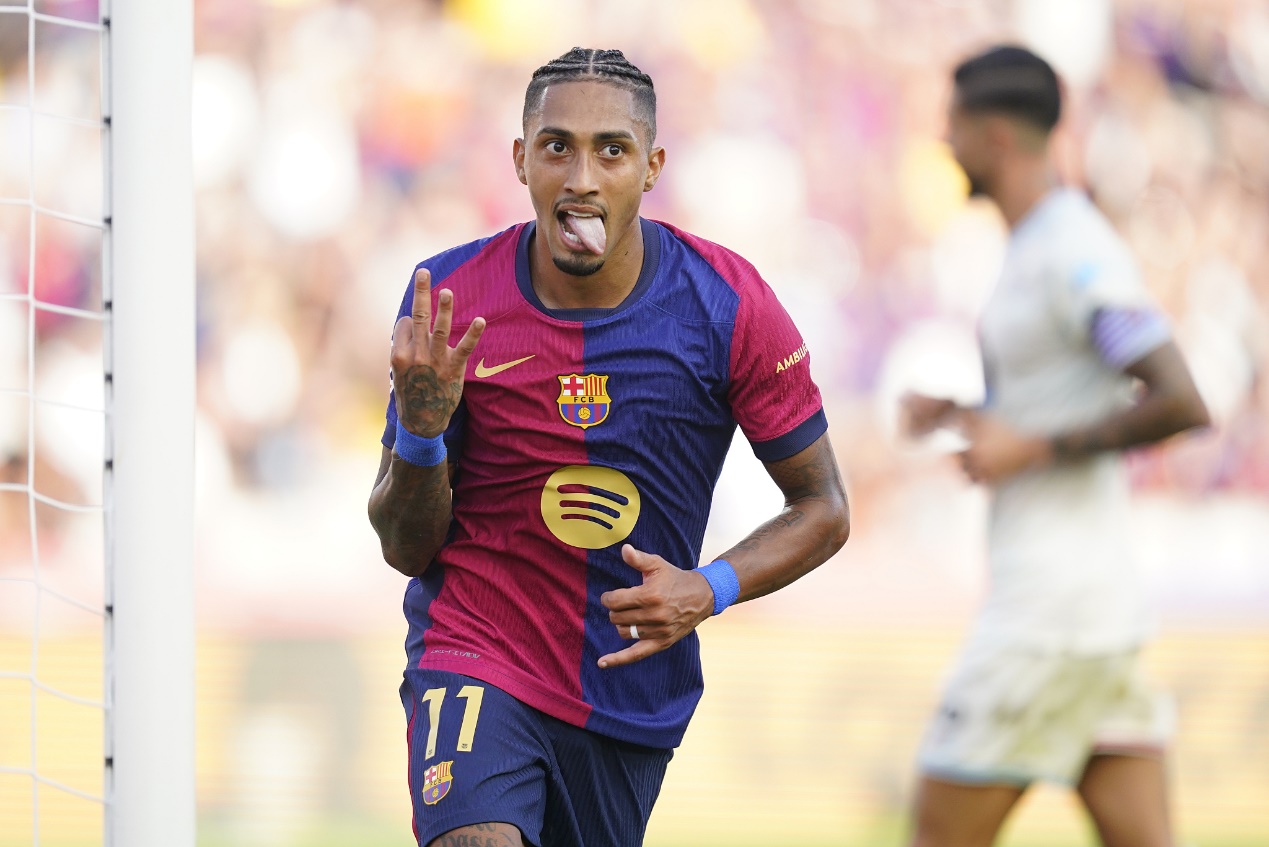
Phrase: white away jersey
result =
(1061, 571)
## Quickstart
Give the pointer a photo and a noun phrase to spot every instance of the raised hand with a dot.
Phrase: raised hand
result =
(669, 604)
(427, 374)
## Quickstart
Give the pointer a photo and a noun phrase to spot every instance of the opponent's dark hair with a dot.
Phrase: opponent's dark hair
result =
(608, 66)
(1012, 81)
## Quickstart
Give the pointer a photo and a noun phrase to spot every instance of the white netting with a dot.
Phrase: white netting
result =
(52, 423)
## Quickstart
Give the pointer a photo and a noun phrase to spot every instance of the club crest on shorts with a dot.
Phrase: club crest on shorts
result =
(436, 782)
(584, 399)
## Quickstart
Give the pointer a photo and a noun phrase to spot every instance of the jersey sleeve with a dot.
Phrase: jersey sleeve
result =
(1103, 301)
(1124, 335)
(771, 393)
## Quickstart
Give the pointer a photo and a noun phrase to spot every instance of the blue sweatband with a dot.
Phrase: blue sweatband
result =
(721, 577)
(417, 450)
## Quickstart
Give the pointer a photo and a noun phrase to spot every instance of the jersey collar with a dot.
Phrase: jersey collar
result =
(651, 261)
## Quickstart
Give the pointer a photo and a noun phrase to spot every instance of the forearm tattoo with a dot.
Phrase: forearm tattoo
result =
(410, 510)
(419, 512)
(425, 400)
(814, 505)
(467, 840)
(782, 521)
(485, 835)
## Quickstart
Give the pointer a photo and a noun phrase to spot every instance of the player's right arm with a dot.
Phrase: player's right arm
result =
(410, 504)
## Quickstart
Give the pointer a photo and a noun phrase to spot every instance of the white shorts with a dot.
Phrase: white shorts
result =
(1013, 716)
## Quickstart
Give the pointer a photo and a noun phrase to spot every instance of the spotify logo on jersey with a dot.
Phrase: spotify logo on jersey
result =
(590, 507)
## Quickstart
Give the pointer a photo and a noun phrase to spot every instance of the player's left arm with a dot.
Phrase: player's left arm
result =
(671, 602)
(812, 526)
(1169, 403)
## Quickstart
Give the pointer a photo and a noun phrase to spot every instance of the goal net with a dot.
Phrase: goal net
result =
(95, 601)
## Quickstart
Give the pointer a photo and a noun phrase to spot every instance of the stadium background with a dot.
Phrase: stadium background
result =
(338, 143)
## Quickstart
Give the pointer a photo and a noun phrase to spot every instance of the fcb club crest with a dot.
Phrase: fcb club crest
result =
(584, 399)
(436, 782)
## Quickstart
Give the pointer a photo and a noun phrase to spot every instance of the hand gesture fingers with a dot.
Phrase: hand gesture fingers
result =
(421, 310)
(641, 649)
(668, 605)
(635, 596)
(427, 374)
(444, 317)
(467, 344)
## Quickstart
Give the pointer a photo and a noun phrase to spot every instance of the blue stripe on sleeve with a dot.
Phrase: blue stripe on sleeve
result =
(1124, 336)
(794, 441)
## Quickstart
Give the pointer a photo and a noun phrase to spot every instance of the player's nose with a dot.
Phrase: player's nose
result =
(583, 176)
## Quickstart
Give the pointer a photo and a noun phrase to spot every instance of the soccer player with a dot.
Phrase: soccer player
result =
(1079, 366)
(546, 480)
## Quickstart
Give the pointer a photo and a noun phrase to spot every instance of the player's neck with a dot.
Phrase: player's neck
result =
(1024, 184)
(604, 289)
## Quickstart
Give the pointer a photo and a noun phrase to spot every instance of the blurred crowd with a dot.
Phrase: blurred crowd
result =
(339, 142)
(336, 144)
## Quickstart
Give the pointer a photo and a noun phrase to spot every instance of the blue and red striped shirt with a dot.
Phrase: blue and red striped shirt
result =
(580, 430)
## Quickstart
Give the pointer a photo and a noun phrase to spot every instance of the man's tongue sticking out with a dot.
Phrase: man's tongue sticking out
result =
(590, 231)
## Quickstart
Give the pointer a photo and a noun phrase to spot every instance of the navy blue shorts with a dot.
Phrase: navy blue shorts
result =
(478, 755)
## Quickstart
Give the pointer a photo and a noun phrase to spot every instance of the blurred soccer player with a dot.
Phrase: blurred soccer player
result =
(1048, 687)
(546, 481)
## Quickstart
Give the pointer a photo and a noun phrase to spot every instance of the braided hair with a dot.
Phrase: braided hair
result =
(608, 66)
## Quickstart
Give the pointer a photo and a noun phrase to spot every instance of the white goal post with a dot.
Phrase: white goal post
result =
(150, 368)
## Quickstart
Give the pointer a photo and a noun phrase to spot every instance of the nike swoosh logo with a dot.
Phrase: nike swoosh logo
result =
(482, 371)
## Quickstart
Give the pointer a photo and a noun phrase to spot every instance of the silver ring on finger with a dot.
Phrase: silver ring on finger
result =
(634, 632)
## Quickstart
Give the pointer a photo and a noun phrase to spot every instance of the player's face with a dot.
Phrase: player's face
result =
(587, 158)
(967, 136)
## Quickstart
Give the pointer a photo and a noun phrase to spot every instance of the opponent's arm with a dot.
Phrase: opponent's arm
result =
(671, 602)
(410, 504)
(1169, 404)
(921, 414)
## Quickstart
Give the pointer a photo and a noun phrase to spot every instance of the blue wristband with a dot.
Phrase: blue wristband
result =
(424, 452)
(721, 577)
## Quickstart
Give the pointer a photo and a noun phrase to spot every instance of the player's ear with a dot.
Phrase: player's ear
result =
(517, 157)
(656, 161)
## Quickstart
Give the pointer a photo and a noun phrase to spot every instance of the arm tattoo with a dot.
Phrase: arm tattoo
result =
(758, 537)
(812, 476)
(467, 839)
(425, 399)
(806, 480)
(419, 533)
(410, 511)
(813, 525)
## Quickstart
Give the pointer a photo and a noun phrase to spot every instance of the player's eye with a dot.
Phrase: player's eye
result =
(613, 150)
(556, 147)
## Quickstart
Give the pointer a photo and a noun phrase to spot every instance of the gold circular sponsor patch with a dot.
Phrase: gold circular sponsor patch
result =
(590, 507)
